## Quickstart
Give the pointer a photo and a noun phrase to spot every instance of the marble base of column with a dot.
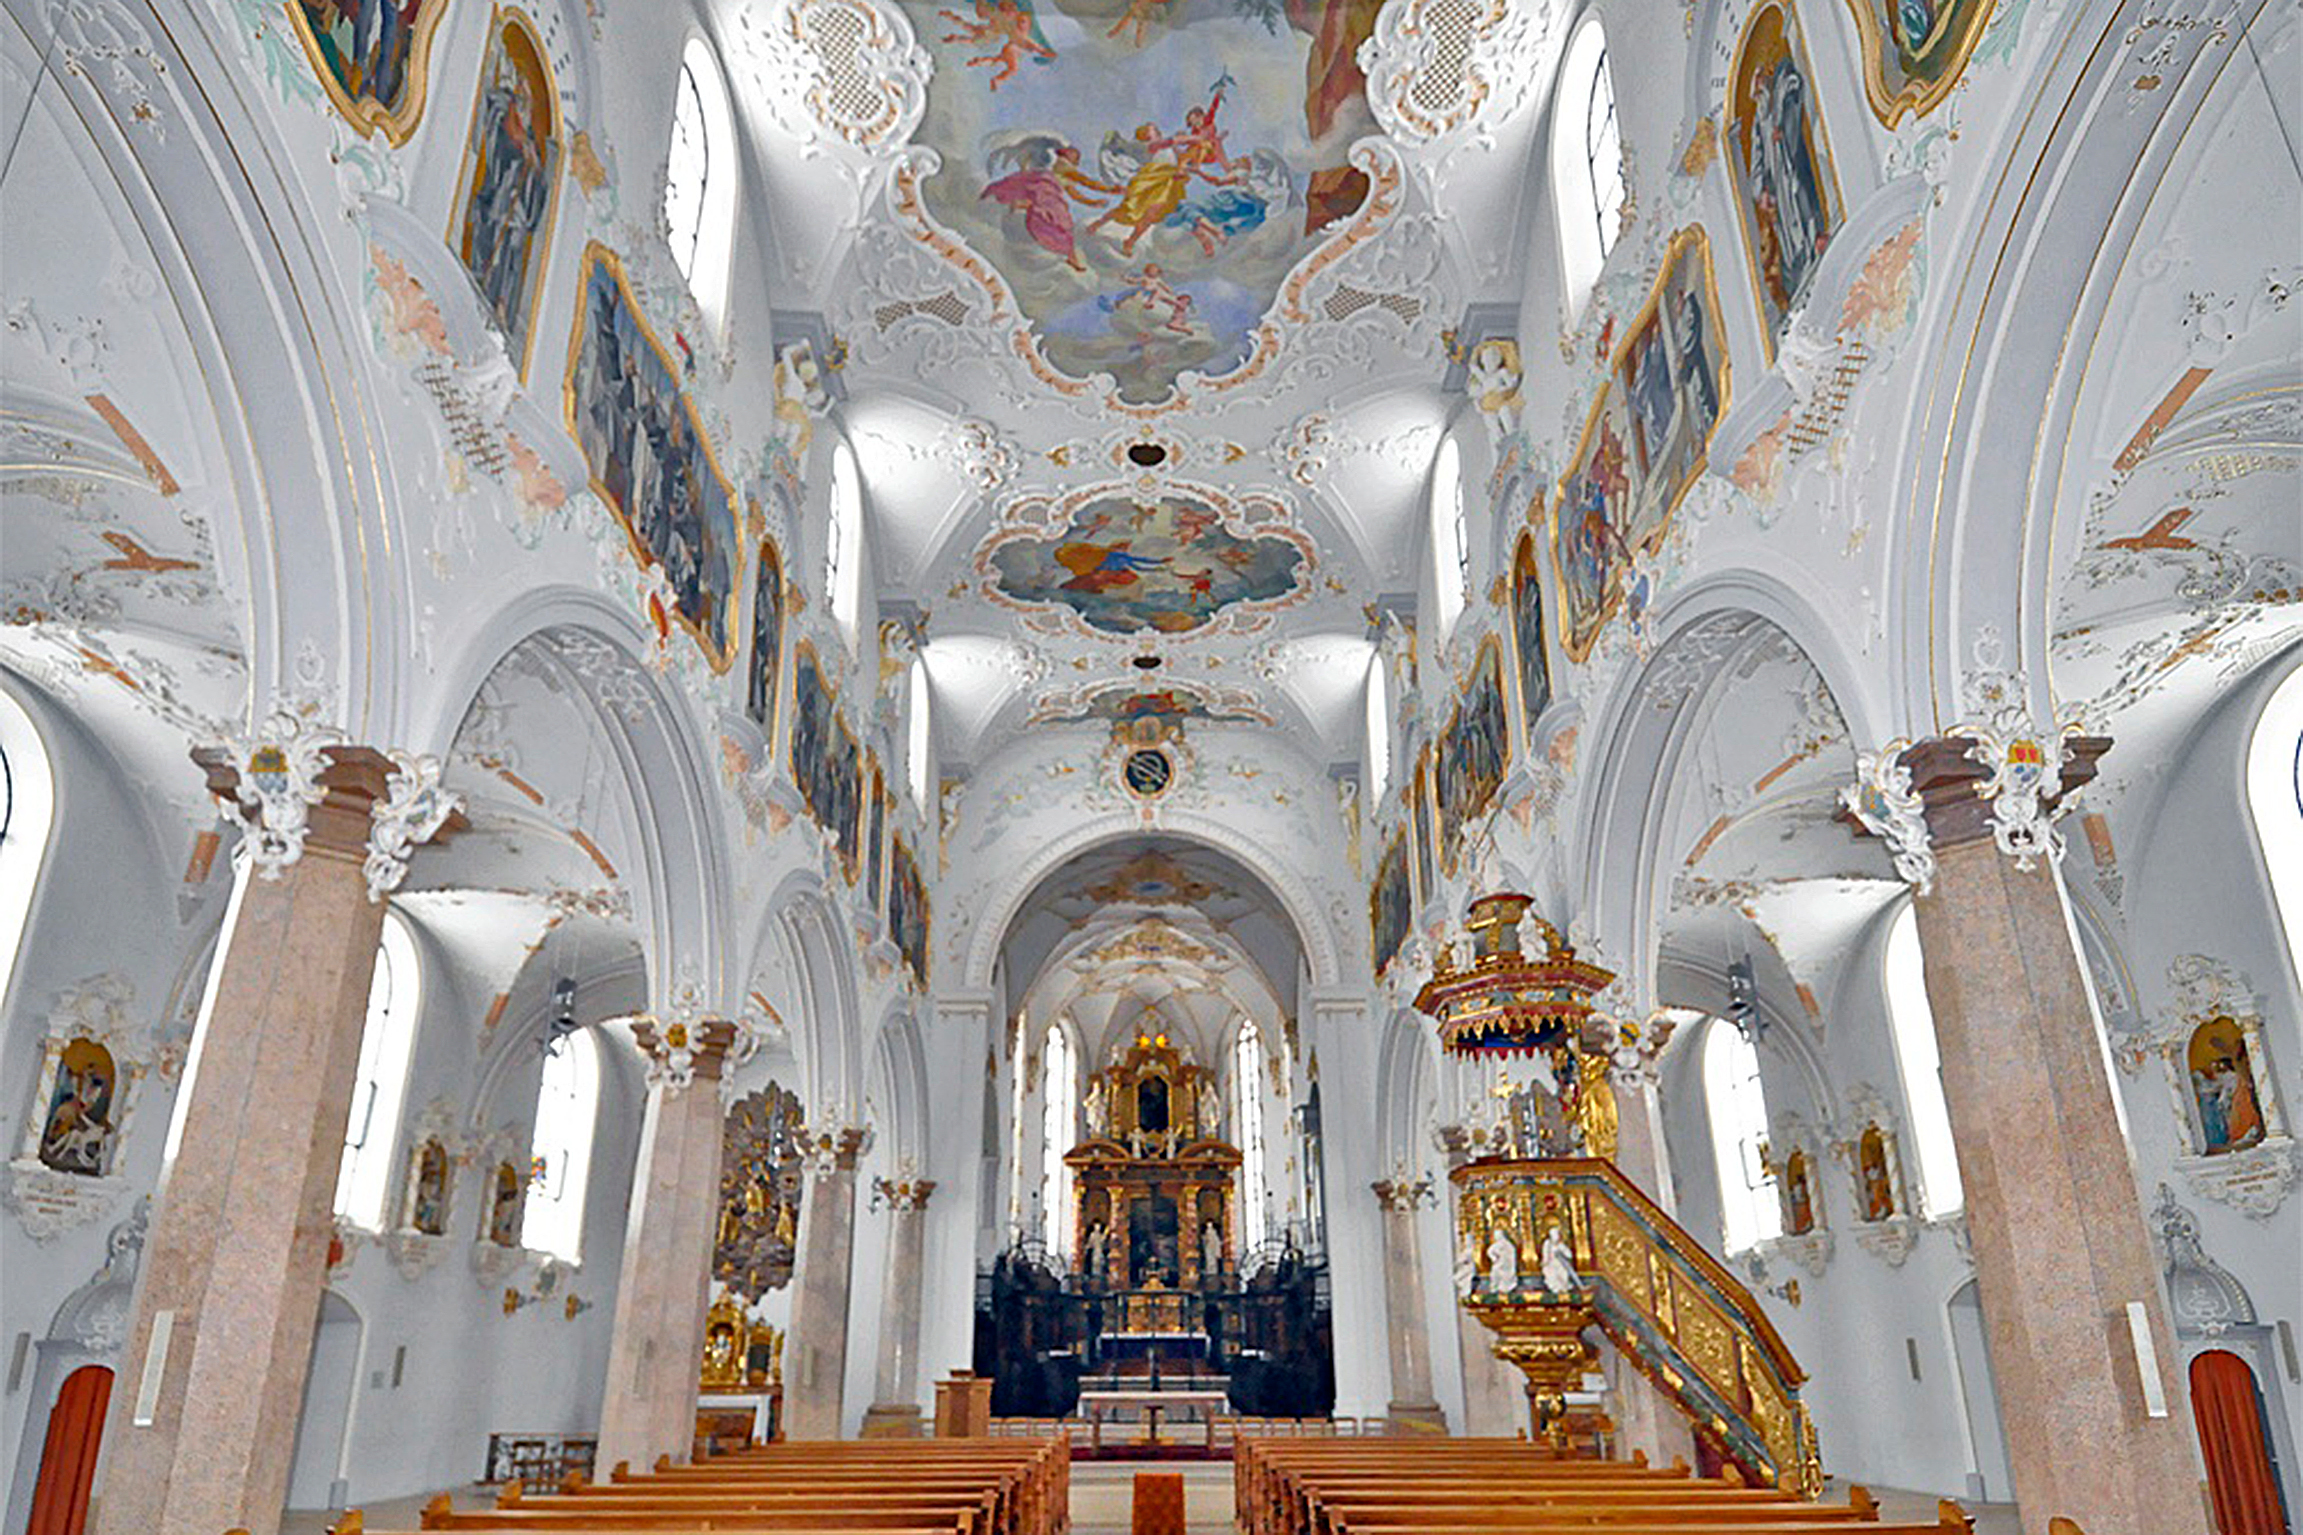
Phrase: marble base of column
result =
(203, 1419)
(655, 1352)
(893, 1420)
(2061, 1250)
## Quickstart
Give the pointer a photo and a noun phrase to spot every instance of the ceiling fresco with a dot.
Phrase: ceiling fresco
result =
(1145, 174)
(1158, 564)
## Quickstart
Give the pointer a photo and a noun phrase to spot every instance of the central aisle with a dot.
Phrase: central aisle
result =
(1103, 1494)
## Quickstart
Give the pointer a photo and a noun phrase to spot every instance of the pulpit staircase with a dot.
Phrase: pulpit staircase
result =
(1660, 1298)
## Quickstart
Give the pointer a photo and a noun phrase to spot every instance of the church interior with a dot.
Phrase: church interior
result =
(1620, 848)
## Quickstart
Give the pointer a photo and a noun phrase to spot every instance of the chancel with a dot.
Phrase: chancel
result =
(1052, 766)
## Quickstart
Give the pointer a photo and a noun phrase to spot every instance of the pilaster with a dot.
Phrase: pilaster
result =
(895, 1409)
(819, 1331)
(1400, 1197)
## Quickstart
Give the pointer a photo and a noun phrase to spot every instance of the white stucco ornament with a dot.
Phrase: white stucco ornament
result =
(280, 764)
(1439, 68)
(1883, 800)
(414, 808)
(843, 73)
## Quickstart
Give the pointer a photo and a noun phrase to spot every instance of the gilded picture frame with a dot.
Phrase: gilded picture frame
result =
(396, 118)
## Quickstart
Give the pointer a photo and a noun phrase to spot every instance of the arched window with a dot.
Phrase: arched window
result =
(1378, 733)
(1247, 1130)
(917, 732)
(843, 542)
(2275, 797)
(387, 1042)
(1749, 1211)
(1059, 1127)
(1586, 164)
(1450, 548)
(700, 179)
(1912, 1023)
(27, 805)
(567, 1111)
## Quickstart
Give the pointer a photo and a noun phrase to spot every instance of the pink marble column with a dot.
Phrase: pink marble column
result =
(895, 1409)
(819, 1333)
(203, 1419)
(2061, 1251)
(1409, 1332)
(655, 1353)
(1494, 1395)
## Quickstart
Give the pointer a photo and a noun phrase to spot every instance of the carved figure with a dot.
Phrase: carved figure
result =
(1502, 1261)
(1558, 1262)
(1210, 1250)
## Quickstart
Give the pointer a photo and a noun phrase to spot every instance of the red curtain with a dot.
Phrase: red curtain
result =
(2239, 1475)
(68, 1460)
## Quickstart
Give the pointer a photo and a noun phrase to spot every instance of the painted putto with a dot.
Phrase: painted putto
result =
(1129, 566)
(1145, 234)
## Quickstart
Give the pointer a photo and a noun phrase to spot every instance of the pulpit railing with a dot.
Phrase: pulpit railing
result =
(1672, 1308)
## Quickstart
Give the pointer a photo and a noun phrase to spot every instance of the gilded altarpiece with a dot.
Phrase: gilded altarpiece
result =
(1154, 1183)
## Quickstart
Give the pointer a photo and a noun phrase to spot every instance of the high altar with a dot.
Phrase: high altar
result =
(1154, 1185)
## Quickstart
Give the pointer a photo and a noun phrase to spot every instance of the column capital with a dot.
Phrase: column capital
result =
(295, 784)
(678, 1052)
(1401, 1192)
(1959, 788)
(836, 1148)
(903, 1193)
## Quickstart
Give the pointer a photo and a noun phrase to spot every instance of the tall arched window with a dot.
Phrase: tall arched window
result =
(2275, 797)
(1912, 1023)
(1059, 1127)
(1378, 733)
(1247, 1130)
(1737, 1104)
(1586, 164)
(1450, 547)
(387, 1042)
(700, 179)
(843, 542)
(27, 805)
(567, 1113)
(918, 738)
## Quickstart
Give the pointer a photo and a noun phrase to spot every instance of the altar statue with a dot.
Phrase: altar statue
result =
(1210, 1250)
(1558, 1262)
(1095, 1255)
(1098, 1105)
(1502, 1260)
(1210, 1109)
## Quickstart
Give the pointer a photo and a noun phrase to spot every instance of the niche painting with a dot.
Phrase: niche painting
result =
(428, 1190)
(511, 176)
(79, 1131)
(1782, 173)
(371, 56)
(1874, 1176)
(1534, 666)
(2223, 1094)
(1798, 1195)
(505, 1199)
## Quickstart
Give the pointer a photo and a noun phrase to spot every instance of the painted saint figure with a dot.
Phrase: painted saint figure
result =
(508, 181)
(76, 1136)
(1045, 182)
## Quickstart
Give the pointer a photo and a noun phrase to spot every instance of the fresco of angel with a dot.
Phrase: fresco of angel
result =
(1039, 176)
(1008, 33)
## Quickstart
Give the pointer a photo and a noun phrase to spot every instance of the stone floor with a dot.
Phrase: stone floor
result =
(1102, 1496)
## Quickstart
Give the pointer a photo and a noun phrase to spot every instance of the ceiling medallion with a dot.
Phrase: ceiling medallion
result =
(1147, 772)
(1506, 1002)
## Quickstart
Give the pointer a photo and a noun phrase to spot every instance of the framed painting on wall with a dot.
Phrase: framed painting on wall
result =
(372, 58)
(1786, 195)
(1914, 51)
(510, 182)
(1531, 667)
(825, 763)
(1473, 753)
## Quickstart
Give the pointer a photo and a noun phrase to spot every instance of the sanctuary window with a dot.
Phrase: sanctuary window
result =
(1059, 1122)
(699, 179)
(2275, 797)
(1912, 1022)
(1450, 547)
(1247, 1130)
(1736, 1101)
(843, 543)
(916, 730)
(1586, 164)
(27, 804)
(387, 1042)
(567, 1113)
(1378, 733)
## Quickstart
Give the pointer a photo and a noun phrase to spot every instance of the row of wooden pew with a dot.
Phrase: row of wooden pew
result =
(1513, 1487)
(841, 1487)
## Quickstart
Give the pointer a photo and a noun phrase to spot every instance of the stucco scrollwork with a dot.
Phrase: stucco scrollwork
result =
(849, 72)
(280, 763)
(1883, 800)
(414, 808)
(1437, 67)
